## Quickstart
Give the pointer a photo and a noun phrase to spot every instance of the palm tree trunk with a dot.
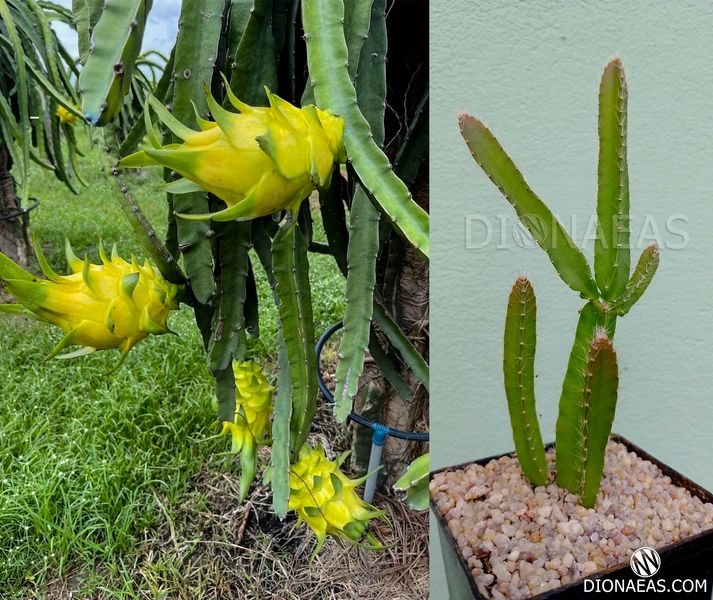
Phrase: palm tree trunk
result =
(13, 230)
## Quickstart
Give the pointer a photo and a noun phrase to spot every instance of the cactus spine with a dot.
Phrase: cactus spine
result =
(589, 389)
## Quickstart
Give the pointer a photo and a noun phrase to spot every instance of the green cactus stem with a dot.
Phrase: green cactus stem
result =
(640, 280)
(291, 269)
(86, 13)
(586, 407)
(328, 61)
(279, 472)
(534, 214)
(227, 342)
(161, 91)
(571, 439)
(400, 342)
(611, 248)
(250, 76)
(115, 43)
(281, 439)
(196, 49)
(334, 219)
(363, 248)
(600, 392)
(519, 371)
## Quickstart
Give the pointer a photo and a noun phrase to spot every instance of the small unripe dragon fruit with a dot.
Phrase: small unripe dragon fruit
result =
(251, 427)
(65, 116)
(259, 161)
(325, 498)
(112, 305)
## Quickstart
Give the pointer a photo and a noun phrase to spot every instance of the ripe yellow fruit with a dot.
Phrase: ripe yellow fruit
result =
(251, 427)
(112, 305)
(65, 116)
(259, 161)
(325, 498)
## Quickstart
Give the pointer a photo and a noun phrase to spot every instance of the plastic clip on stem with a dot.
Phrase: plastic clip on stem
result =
(377, 444)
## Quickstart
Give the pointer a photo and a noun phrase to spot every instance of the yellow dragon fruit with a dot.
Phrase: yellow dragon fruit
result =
(251, 427)
(112, 305)
(325, 498)
(66, 116)
(258, 161)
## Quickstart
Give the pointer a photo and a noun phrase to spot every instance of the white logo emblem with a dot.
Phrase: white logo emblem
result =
(645, 562)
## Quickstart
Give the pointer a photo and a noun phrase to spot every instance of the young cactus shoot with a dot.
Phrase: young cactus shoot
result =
(589, 390)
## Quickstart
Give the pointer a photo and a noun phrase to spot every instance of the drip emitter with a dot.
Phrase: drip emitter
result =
(380, 430)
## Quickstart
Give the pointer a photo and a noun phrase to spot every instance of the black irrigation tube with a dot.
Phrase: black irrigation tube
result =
(22, 212)
(412, 436)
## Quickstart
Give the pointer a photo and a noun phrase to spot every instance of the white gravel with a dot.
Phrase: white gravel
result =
(521, 541)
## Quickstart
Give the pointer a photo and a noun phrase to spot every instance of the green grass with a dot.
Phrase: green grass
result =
(86, 457)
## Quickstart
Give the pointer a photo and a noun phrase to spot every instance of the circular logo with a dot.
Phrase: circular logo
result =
(645, 562)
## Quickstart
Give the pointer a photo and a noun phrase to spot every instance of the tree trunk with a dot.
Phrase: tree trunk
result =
(13, 230)
(402, 275)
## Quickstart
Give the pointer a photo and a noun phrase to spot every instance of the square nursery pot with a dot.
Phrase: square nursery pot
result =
(687, 559)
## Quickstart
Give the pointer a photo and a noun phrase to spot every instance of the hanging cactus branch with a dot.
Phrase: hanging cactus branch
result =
(114, 45)
(196, 51)
(291, 269)
(363, 247)
(328, 61)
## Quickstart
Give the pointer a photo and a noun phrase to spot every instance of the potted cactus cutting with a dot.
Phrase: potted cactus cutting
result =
(540, 522)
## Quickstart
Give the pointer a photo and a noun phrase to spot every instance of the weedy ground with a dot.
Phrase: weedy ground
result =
(112, 485)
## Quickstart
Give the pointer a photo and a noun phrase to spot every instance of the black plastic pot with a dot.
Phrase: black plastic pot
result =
(689, 559)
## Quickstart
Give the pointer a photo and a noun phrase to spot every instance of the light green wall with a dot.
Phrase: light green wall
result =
(530, 71)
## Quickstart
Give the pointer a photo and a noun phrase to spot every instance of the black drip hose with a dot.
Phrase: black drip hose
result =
(412, 436)
(22, 212)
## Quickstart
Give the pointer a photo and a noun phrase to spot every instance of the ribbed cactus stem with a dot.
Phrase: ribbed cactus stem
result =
(518, 368)
(115, 43)
(586, 407)
(600, 394)
(363, 248)
(328, 62)
(640, 280)
(534, 214)
(611, 250)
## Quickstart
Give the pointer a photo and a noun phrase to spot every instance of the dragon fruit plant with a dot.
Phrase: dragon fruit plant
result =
(589, 390)
(238, 162)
